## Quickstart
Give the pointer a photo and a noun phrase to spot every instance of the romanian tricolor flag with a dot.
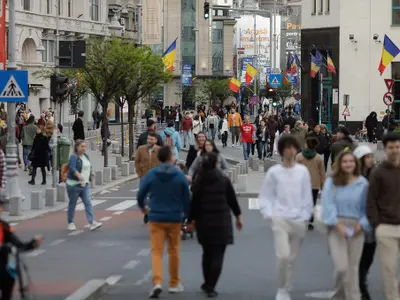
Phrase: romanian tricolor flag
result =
(389, 52)
(168, 56)
(286, 80)
(331, 65)
(315, 66)
(250, 73)
(234, 85)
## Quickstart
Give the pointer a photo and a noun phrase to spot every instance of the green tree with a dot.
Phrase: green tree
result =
(120, 101)
(283, 92)
(105, 71)
(75, 90)
(214, 91)
(142, 78)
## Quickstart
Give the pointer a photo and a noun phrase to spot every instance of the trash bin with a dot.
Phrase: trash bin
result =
(63, 148)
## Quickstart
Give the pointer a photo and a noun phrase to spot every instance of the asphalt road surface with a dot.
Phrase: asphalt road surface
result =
(120, 252)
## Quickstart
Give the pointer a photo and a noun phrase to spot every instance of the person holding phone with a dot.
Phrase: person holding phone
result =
(343, 202)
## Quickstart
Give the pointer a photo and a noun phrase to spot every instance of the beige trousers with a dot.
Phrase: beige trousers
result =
(346, 254)
(388, 240)
(288, 236)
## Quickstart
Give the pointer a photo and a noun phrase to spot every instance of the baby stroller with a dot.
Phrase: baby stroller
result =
(185, 232)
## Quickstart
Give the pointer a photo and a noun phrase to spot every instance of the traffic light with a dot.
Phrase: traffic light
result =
(58, 86)
(206, 10)
(271, 93)
(274, 103)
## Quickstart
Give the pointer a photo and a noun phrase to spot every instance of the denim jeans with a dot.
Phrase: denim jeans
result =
(246, 150)
(77, 191)
(25, 153)
(212, 133)
(187, 137)
(262, 149)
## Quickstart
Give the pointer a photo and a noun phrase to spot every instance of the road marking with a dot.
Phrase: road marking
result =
(36, 253)
(104, 192)
(113, 279)
(254, 204)
(114, 190)
(123, 205)
(75, 232)
(13, 224)
(57, 242)
(145, 278)
(81, 206)
(117, 213)
(131, 264)
(320, 295)
(144, 252)
(105, 219)
(116, 198)
(134, 191)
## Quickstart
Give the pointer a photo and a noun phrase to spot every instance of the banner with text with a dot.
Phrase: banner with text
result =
(151, 22)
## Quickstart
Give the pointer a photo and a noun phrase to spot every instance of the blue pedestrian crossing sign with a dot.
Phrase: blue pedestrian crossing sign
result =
(14, 86)
(275, 80)
(268, 71)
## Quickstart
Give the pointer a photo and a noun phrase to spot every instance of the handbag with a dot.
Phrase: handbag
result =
(31, 155)
(319, 225)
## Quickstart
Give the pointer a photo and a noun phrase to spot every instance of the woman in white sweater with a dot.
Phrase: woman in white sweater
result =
(197, 125)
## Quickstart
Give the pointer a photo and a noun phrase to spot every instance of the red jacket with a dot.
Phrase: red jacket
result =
(187, 124)
(247, 131)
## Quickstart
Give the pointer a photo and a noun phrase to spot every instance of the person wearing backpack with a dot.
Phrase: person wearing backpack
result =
(78, 177)
(171, 138)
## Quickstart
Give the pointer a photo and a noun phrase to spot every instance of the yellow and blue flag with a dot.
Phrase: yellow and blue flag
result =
(168, 56)
(389, 52)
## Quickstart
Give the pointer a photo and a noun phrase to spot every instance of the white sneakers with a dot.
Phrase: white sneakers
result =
(282, 295)
(157, 289)
(93, 226)
(71, 227)
(175, 290)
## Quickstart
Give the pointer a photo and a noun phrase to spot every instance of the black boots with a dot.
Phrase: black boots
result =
(32, 181)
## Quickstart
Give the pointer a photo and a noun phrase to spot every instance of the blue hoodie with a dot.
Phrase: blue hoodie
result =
(168, 189)
(170, 131)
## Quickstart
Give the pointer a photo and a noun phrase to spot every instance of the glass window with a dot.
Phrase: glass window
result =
(44, 53)
(188, 49)
(59, 7)
(321, 6)
(189, 19)
(396, 16)
(51, 51)
(328, 6)
(26, 4)
(95, 10)
(396, 2)
(188, 33)
(69, 8)
(314, 7)
(217, 48)
(48, 7)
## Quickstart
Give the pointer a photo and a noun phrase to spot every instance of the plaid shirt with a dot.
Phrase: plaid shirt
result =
(2, 170)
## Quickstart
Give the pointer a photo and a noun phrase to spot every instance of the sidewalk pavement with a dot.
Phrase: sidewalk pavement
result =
(97, 161)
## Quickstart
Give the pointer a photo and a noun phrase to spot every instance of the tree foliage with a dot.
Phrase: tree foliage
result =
(145, 74)
(214, 91)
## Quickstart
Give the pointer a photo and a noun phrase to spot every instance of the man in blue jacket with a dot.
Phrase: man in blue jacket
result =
(168, 191)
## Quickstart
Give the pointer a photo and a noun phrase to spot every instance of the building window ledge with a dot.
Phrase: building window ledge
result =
(327, 12)
(395, 25)
(320, 13)
(313, 13)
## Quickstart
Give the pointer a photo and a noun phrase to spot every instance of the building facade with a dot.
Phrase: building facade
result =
(320, 31)
(352, 32)
(36, 24)
(204, 47)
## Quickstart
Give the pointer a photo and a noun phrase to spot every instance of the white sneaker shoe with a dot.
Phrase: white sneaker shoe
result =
(175, 290)
(282, 295)
(155, 291)
(71, 227)
(95, 225)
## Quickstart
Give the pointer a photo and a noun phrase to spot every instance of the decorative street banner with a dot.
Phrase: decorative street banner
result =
(187, 74)
(3, 43)
(151, 22)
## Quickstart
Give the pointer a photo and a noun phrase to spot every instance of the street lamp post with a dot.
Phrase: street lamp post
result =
(13, 192)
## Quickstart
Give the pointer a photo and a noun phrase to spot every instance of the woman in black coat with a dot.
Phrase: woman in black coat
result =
(40, 155)
(213, 200)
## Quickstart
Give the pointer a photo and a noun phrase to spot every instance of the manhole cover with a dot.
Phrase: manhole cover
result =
(320, 295)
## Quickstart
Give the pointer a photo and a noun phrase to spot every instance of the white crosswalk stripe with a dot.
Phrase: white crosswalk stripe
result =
(122, 205)
(81, 206)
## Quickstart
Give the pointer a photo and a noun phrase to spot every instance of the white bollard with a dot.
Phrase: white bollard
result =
(50, 195)
(241, 183)
(118, 161)
(125, 169)
(99, 177)
(37, 200)
(61, 190)
(131, 167)
(114, 172)
(107, 174)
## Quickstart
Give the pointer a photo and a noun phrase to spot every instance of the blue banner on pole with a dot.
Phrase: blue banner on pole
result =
(187, 75)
